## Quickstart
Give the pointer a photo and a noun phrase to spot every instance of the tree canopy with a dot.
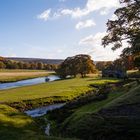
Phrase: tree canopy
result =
(79, 64)
(126, 27)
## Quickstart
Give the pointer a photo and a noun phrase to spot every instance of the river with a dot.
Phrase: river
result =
(38, 111)
(27, 82)
(42, 111)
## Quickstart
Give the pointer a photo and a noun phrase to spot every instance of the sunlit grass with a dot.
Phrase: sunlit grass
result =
(15, 125)
(66, 88)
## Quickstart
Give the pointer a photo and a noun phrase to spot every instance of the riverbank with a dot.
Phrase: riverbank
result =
(15, 125)
(114, 117)
(18, 125)
(28, 82)
(51, 92)
(87, 99)
(7, 76)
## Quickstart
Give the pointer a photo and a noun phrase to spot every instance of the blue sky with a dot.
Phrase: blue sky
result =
(55, 28)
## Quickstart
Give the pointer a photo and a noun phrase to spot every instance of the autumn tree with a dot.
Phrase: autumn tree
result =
(84, 65)
(79, 64)
(126, 27)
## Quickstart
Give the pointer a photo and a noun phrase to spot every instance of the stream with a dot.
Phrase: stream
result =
(42, 111)
(27, 82)
(38, 111)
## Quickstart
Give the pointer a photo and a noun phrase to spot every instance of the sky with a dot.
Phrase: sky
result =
(56, 29)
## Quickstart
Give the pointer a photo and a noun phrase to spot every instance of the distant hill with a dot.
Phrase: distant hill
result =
(46, 61)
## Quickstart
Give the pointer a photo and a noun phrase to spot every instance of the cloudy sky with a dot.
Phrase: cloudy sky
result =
(55, 28)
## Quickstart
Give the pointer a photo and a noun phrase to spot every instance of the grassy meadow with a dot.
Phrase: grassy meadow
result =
(15, 125)
(68, 89)
(78, 121)
(17, 75)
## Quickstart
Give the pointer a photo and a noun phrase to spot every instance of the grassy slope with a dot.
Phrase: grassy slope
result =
(85, 123)
(16, 75)
(64, 88)
(94, 106)
(110, 101)
(131, 96)
(16, 126)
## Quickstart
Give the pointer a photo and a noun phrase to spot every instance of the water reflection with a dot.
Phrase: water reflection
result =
(28, 82)
(43, 110)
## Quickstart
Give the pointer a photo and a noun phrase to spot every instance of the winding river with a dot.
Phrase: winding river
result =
(38, 111)
(27, 82)
(42, 111)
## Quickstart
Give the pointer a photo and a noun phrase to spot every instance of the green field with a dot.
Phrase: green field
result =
(64, 88)
(17, 75)
(15, 125)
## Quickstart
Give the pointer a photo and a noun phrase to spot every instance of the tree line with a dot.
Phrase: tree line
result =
(125, 63)
(11, 64)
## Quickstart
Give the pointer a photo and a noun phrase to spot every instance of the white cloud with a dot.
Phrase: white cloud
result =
(97, 50)
(92, 5)
(103, 6)
(85, 24)
(75, 13)
(45, 15)
(93, 39)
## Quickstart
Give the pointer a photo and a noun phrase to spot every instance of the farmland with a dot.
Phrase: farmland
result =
(17, 75)
(19, 124)
(68, 90)
(64, 88)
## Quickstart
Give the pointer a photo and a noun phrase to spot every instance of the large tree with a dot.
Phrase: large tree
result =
(79, 64)
(126, 27)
